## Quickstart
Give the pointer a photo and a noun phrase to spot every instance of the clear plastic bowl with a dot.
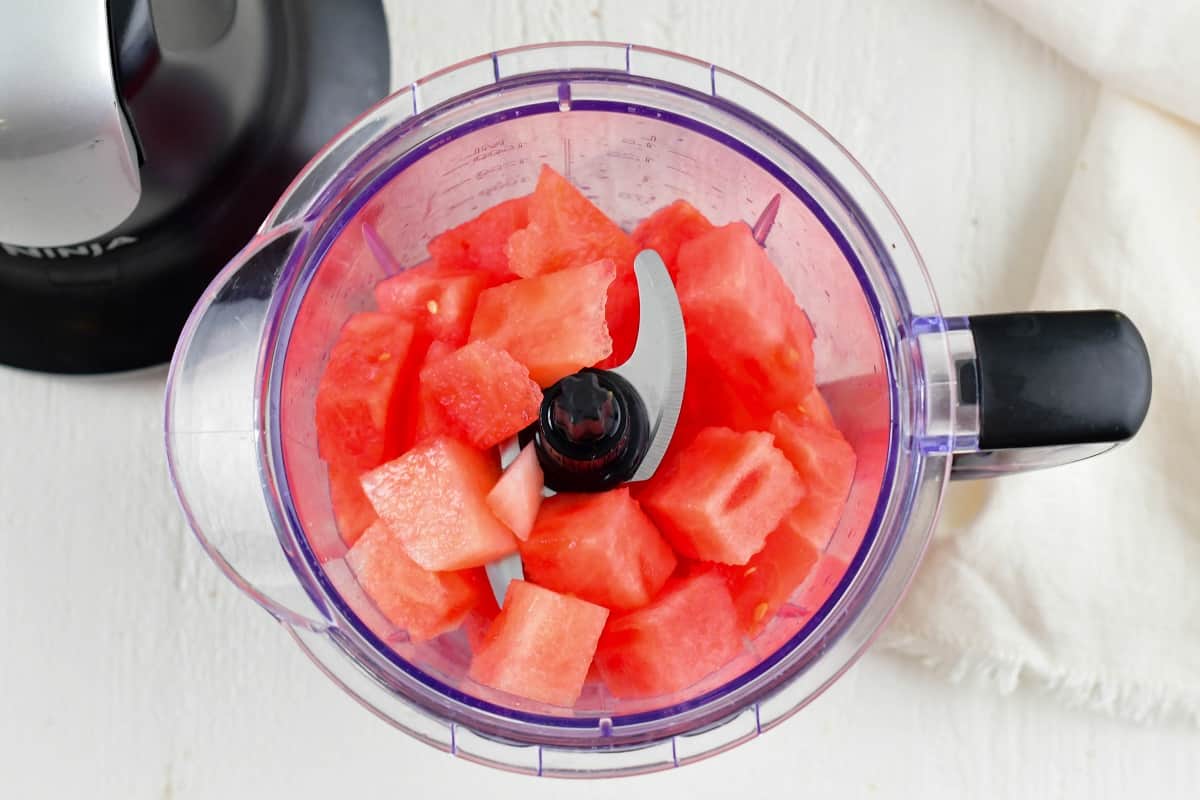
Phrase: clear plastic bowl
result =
(635, 128)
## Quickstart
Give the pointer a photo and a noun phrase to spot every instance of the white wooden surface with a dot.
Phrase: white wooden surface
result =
(130, 669)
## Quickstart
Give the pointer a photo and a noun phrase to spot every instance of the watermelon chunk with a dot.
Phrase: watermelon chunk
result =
(480, 243)
(475, 625)
(813, 593)
(422, 602)
(623, 315)
(825, 463)
(540, 646)
(814, 410)
(600, 547)
(720, 496)
(689, 631)
(439, 301)
(769, 578)
(359, 415)
(484, 392)
(738, 309)
(565, 230)
(429, 417)
(663, 231)
(352, 510)
(667, 229)
(709, 400)
(517, 496)
(553, 324)
(434, 499)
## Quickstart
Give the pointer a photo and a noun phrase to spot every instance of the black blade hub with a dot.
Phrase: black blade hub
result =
(592, 432)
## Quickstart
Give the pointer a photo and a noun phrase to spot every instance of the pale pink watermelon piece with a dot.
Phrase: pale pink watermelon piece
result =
(541, 645)
(434, 499)
(421, 602)
(517, 496)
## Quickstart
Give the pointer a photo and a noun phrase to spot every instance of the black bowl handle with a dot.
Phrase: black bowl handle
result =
(1052, 387)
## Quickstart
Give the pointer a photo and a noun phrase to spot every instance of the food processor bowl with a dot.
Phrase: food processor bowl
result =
(634, 128)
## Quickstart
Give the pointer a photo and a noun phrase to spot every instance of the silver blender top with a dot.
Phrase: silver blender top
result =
(68, 162)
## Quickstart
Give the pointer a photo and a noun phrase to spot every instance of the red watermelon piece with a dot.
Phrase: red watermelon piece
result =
(480, 243)
(359, 411)
(484, 392)
(708, 398)
(517, 496)
(708, 401)
(565, 230)
(737, 307)
(815, 590)
(667, 229)
(814, 410)
(601, 547)
(430, 417)
(721, 495)
(475, 625)
(438, 301)
(815, 520)
(434, 499)
(553, 324)
(663, 231)
(623, 315)
(540, 646)
(352, 510)
(825, 463)
(423, 603)
(689, 631)
(768, 579)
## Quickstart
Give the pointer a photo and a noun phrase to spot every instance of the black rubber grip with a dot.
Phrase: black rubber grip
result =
(1056, 378)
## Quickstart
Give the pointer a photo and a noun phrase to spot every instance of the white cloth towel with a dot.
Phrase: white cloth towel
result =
(1085, 579)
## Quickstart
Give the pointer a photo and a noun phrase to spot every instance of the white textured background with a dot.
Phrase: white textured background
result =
(130, 669)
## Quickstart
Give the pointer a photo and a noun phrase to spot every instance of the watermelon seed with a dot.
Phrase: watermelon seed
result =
(750, 572)
(432, 305)
(383, 357)
(760, 611)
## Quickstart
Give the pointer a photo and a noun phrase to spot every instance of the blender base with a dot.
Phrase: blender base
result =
(119, 303)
